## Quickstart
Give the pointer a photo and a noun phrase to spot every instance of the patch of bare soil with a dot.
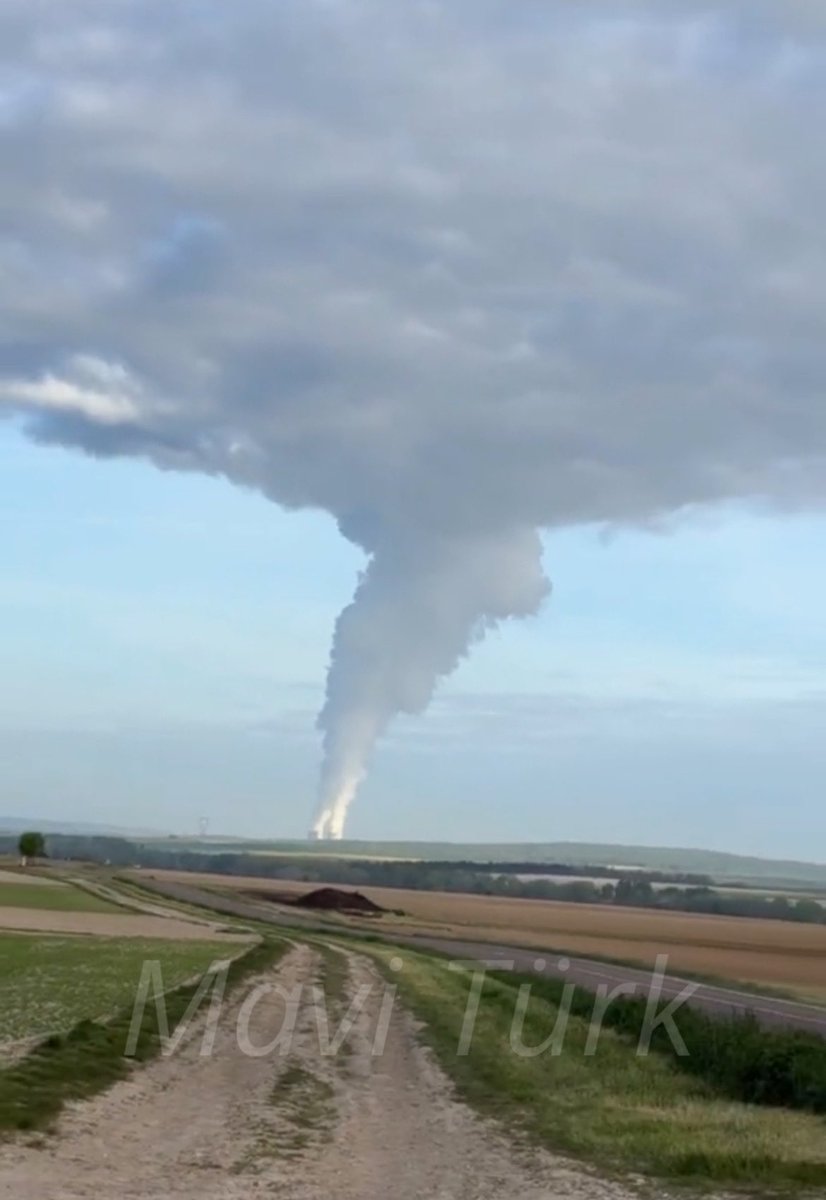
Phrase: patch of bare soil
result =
(296, 1122)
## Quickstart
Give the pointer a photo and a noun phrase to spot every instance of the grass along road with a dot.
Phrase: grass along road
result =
(626, 1112)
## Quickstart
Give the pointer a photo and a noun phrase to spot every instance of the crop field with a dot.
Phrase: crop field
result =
(54, 897)
(775, 954)
(51, 983)
(26, 877)
(37, 904)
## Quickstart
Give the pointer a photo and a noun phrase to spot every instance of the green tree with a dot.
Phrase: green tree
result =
(31, 845)
(810, 911)
(632, 891)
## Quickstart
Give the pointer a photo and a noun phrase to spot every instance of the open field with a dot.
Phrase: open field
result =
(53, 904)
(51, 983)
(773, 954)
(50, 895)
(27, 878)
(116, 924)
(96, 1052)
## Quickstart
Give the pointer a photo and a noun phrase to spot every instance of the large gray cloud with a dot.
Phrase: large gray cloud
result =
(450, 271)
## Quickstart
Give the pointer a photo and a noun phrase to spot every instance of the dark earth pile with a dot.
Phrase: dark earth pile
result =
(329, 899)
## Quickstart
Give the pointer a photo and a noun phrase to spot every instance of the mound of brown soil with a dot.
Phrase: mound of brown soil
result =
(330, 899)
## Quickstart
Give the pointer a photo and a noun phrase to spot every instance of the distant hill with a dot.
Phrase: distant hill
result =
(14, 825)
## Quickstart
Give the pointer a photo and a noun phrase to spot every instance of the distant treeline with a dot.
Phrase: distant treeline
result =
(488, 879)
(562, 869)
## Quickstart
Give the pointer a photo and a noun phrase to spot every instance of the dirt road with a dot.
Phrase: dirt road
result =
(293, 1123)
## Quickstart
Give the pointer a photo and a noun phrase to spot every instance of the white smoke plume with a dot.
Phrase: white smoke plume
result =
(454, 273)
(416, 612)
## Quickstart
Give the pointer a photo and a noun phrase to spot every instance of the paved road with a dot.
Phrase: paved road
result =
(720, 1002)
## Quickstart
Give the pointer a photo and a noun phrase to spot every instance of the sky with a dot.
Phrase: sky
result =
(166, 637)
(453, 299)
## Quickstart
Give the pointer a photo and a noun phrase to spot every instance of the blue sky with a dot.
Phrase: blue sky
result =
(166, 638)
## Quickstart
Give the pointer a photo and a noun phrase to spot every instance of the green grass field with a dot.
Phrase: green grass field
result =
(52, 898)
(614, 1108)
(89, 1056)
(49, 983)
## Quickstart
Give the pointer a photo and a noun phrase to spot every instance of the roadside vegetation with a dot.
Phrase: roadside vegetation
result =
(671, 1118)
(334, 975)
(89, 1056)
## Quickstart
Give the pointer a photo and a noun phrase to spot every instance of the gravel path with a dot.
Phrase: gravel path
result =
(296, 1124)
